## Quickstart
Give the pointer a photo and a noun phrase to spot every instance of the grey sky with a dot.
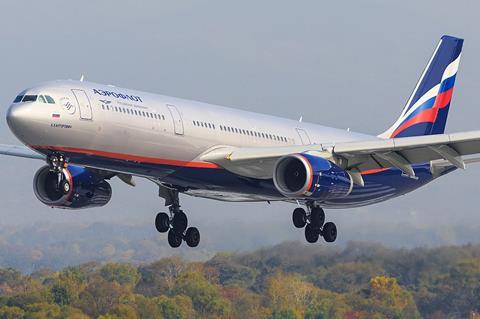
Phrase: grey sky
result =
(348, 64)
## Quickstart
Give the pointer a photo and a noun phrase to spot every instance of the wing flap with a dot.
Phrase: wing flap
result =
(368, 155)
(358, 156)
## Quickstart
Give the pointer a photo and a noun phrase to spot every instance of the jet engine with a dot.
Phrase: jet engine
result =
(74, 188)
(307, 176)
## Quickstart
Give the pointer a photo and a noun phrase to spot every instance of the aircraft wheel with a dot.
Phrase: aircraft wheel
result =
(311, 234)
(162, 222)
(174, 239)
(192, 237)
(329, 232)
(179, 222)
(317, 217)
(65, 186)
(299, 217)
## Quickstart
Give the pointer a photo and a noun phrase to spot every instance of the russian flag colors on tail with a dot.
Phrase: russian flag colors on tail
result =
(427, 108)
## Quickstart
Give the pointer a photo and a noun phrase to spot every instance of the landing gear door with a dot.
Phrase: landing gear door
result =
(304, 136)
(83, 103)
(177, 119)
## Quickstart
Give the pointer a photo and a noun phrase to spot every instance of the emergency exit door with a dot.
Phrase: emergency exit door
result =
(304, 136)
(83, 103)
(177, 119)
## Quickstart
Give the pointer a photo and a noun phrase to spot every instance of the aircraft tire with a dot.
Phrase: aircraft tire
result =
(192, 237)
(311, 234)
(299, 217)
(174, 239)
(180, 222)
(65, 186)
(162, 222)
(317, 217)
(329, 232)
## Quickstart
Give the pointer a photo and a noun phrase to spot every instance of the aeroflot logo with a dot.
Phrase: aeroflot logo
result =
(118, 95)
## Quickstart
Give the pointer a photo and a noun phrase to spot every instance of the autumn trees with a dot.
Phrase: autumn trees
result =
(288, 281)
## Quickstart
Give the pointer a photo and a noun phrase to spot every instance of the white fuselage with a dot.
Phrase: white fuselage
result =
(163, 138)
(141, 124)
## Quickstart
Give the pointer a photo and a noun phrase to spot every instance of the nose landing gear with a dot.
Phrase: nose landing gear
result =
(175, 223)
(58, 163)
(314, 223)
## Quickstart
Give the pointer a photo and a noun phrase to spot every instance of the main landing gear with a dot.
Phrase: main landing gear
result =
(314, 223)
(176, 222)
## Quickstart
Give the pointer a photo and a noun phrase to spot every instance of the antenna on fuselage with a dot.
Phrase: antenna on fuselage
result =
(81, 78)
(300, 119)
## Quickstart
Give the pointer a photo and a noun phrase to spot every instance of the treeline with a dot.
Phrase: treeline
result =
(291, 280)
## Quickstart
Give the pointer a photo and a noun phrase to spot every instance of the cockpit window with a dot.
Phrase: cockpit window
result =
(18, 99)
(29, 98)
(50, 100)
(41, 99)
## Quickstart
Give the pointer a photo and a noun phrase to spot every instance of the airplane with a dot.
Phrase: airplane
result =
(89, 133)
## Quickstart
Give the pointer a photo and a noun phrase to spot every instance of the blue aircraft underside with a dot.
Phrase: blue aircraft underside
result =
(224, 185)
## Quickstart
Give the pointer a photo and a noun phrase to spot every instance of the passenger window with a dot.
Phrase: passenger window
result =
(49, 99)
(29, 98)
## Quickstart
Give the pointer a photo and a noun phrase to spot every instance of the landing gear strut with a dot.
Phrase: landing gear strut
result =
(57, 163)
(176, 222)
(314, 222)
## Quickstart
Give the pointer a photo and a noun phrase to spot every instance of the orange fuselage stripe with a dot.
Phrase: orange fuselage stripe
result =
(128, 157)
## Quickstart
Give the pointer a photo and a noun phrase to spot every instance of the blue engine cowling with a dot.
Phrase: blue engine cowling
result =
(306, 176)
(87, 189)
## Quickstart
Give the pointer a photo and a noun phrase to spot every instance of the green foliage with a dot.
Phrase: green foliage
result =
(386, 299)
(346, 276)
(121, 312)
(99, 297)
(160, 277)
(284, 314)
(177, 307)
(232, 274)
(121, 273)
(11, 313)
(205, 296)
(359, 282)
(43, 311)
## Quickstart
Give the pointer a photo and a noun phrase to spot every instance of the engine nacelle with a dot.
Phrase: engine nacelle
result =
(307, 176)
(86, 189)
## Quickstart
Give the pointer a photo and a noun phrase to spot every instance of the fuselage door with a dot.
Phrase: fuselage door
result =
(177, 119)
(304, 136)
(83, 103)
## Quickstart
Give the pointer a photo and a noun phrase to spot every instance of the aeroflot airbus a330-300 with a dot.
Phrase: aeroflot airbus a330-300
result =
(89, 133)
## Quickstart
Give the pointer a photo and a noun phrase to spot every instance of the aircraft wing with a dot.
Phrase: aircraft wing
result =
(25, 152)
(357, 157)
(20, 151)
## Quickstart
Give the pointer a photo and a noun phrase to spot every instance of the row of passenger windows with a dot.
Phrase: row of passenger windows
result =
(33, 98)
(242, 131)
(203, 124)
(133, 112)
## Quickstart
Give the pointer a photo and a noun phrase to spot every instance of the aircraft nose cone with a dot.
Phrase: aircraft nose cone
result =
(15, 115)
(18, 119)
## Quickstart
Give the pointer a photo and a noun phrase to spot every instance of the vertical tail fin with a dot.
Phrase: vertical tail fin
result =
(427, 108)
